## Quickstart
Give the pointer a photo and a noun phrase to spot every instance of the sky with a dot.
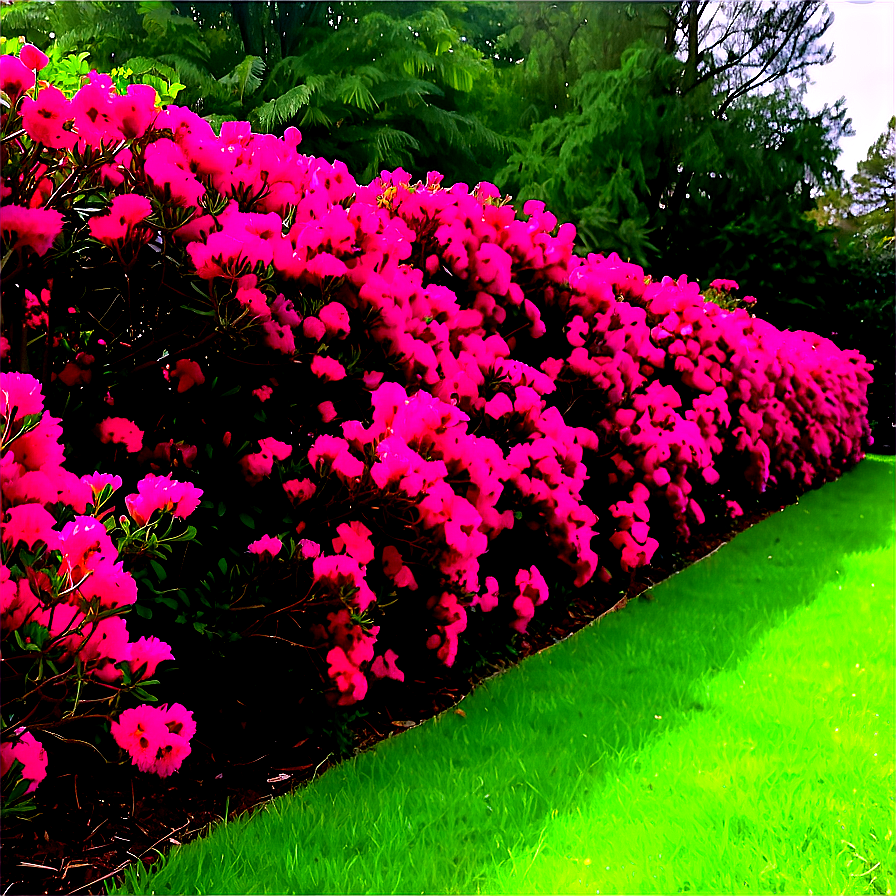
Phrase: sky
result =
(864, 39)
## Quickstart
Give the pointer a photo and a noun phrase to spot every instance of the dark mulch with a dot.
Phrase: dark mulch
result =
(95, 818)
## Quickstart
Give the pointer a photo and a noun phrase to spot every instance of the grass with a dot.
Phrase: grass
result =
(735, 734)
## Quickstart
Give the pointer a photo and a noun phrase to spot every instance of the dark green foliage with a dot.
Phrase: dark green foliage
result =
(374, 85)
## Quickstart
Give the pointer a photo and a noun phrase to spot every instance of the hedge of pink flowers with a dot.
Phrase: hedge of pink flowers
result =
(408, 386)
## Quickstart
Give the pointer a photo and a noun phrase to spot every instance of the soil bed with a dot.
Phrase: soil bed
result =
(95, 818)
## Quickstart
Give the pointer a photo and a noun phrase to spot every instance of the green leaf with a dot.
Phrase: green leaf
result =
(222, 565)
(247, 520)
(245, 78)
(283, 109)
(159, 570)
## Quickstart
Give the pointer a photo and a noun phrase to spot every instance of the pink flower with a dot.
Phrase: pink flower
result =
(266, 547)
(30, 523)
(20, 390)
(349, 679)
(171, 751)
(126, 214)
(255, 301)
(384, 666)
(277, 449)
(33, 58)
(77, 372)
(299, 490)
(285, 312)
(313, 328)
(84, 542)
(310, 549)
(140, 731)
(327, 411)
(94, 111)
(157, 738)
(179, 720)
(35, 228)
(263, 393)
(489, 600)
(734, 509)
(43, 119)
(15, 78)
(169, 173)
(149, 652)
(119, 430)
(327, 368)
(29, 751)
(372, 378)
(339, 572)
(164, 494)
(724, 285)
(135, 111)
(105, 647)
(335, 318)
(279, 337)
(188, 374)
(257, 466)
(355, 537)
(36, 313)
(98, 481)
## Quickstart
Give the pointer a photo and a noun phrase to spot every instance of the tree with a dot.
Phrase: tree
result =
(874, 188)
(665, 99)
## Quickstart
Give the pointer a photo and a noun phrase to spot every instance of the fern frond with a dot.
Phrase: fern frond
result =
(144, 65)
(19, 17)
(316, 117)
(372, 73)
(288, 71)
(192, 75)
(405, 87)
(245, 78)
(354, 92)
(282, 110)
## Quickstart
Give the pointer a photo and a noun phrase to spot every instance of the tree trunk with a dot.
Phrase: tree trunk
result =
(252, 35)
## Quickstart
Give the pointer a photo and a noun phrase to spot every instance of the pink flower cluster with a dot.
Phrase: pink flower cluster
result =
(157, 738)
(25, 748)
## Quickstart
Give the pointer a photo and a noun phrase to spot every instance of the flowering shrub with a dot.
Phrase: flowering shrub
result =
(407, 386)
(63, 588)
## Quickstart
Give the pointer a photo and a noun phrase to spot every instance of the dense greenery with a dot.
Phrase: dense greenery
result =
(674, 133)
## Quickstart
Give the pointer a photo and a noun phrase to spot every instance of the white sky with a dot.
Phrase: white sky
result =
(864, 39)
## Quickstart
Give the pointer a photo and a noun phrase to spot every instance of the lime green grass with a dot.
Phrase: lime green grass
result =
(735, 734)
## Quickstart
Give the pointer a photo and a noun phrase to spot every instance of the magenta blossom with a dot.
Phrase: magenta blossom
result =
(29, 751)
(120, 430)
(164, 494)
(35, 228)
(327, 368)
(267, 547)
(43, 119)
(33, 58)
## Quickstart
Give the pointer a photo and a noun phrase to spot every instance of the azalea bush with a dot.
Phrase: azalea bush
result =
(387, 394)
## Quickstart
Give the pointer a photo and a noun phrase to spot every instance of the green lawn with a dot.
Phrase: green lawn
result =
(735, 734)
